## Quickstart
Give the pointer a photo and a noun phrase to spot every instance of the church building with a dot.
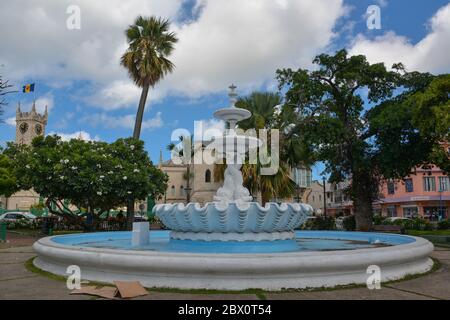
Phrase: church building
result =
(28, 126)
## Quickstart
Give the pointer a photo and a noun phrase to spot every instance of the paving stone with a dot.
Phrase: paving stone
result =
(25, 249)
(436, 284)
(348, 294)
(8, 258)
(189, 296)
(13, 271)
(37, 288)
(442, 255)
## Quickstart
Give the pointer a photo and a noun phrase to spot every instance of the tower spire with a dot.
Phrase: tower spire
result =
(18, 108)
(33, 108)
(160, 158)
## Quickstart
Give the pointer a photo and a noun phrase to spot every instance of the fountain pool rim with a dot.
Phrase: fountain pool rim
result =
(227, 271)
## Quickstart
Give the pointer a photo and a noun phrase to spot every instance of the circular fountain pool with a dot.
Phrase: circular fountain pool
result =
(313, 259)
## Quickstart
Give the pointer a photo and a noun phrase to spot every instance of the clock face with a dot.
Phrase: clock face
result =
(38, 129)
(23, 127)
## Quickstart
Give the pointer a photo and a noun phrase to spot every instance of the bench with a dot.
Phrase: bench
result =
(388, 228)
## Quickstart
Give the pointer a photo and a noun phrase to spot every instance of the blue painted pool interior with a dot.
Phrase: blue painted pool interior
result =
(305, 241)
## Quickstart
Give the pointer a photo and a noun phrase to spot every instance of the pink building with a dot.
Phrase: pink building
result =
(424, 193)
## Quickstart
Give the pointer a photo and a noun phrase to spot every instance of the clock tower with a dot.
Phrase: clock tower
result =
(30, 124)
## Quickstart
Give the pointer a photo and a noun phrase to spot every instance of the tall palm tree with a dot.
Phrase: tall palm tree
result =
(263, 107)
(150, 43)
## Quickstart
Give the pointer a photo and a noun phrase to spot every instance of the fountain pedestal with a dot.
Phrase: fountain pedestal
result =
(140, 234)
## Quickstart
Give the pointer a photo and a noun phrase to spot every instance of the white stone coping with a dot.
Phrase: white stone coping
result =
(269, 271)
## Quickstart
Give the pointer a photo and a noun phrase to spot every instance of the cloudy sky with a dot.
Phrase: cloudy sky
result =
(78, 75)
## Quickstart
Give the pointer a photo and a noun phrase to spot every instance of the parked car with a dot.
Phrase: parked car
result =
(16, 216)
(393, 219)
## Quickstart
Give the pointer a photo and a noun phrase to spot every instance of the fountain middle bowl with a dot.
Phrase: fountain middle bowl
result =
(233, 221)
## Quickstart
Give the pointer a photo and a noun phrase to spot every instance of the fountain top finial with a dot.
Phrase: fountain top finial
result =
(232, 95)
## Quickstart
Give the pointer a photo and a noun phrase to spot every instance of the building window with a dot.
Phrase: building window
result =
(410, 212)
(444, 183)
(182, 191)
(391, 187)
(429, 184)
(409, 185)
(172, 191)
(391, 211)
(314, 200)
(208, 176)
(302, 177)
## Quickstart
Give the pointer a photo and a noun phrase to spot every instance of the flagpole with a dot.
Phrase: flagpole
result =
(34, 91)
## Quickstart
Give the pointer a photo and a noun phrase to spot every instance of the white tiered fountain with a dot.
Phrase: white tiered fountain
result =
(233, 216)
(234, 243)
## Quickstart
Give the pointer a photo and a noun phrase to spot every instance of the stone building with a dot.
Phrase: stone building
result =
(28, 126)
(202, 184)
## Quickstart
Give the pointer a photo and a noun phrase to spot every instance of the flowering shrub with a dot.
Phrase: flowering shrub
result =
(93, 175)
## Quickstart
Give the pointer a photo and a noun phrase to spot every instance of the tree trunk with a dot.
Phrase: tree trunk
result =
(130, 213)
(363, 190)
(363, 214)
(140, 111)
(136, 135)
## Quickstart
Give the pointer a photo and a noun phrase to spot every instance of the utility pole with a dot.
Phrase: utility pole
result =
(324, 198)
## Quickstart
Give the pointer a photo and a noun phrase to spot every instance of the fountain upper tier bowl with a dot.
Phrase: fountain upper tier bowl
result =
(233, 221)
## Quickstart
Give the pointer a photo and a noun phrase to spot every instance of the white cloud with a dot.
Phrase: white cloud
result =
(83, 135)
(153, 123)
(429, 54)
(46, 100)
(246, 41)
(204, 130)
(11, 121)
(382, 3)
(126, 121)
(120, 94)
(48, 49)
(229, 41)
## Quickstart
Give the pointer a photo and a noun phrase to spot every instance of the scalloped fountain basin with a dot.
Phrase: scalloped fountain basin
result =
(233, 221)
(312, 259)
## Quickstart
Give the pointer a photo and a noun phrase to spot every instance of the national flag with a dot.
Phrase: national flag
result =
(28, 88)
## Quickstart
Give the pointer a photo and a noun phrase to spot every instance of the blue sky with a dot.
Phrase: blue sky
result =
(77, 72)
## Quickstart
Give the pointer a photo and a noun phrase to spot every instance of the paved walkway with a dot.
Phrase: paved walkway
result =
(16, 282)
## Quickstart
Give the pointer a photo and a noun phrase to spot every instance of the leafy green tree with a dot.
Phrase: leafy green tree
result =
(8, 184)
(432, 117)
(333, 126)
(404, 130)
(86, 177)
(150, 43)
